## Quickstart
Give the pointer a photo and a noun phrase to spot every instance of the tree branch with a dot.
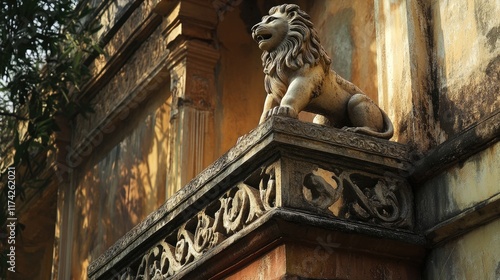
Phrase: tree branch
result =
(8, 114)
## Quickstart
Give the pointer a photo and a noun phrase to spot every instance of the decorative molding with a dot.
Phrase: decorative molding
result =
(344, 138)
(140, 23)
(122, 93)
(472, 140)
(465, 221)
(236, 209)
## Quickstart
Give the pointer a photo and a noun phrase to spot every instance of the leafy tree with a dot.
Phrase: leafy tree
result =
(45, 47)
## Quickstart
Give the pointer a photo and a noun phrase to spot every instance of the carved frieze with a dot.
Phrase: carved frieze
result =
(125, 87)
(267, 187)
(344, 194)
(232, 212)
(108, 17)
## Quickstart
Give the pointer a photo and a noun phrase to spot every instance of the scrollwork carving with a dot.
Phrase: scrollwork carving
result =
(366, 197)
(267, 188)
(207, 234)
(232, 212)
(384, 201)
(240, 208)
(318, 192)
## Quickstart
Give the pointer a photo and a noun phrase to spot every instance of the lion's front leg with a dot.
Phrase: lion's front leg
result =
(268, 105)
(297, 97)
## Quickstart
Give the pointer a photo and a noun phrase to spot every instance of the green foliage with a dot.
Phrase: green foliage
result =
(44, 45)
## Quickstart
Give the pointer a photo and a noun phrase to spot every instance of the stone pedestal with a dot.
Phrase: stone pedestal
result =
(291, 200)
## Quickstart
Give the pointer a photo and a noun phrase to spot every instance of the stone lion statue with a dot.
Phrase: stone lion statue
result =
(298, 77)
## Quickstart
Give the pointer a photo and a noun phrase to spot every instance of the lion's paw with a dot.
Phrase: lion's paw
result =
(282, 111)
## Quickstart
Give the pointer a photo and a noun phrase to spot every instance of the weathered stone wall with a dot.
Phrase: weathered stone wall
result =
(474, 255)
(438, 66)
(122, 183)
(466, 56)
(464, 196)
(431, 65)
(347, 31)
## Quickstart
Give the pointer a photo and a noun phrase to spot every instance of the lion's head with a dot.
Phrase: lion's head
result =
(288, 41)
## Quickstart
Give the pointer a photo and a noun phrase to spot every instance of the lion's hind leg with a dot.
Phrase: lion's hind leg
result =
(364, 115)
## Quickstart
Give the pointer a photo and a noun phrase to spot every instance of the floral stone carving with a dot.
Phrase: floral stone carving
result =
(237, 208)
(298, 77)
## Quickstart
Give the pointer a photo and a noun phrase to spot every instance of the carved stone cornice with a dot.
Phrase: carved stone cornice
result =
(143, 69)
(350, 182)
(124, 92)
(121, 39)
(192, 19)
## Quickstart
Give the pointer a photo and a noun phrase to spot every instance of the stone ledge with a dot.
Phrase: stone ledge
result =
(336, 176)
(472, 140)
(465, 221)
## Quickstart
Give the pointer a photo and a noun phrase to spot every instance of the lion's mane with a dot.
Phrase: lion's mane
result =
(300, 47)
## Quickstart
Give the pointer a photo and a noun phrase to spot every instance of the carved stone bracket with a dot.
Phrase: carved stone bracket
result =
(346, 181)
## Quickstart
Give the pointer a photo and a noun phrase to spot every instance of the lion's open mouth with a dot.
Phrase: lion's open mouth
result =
(262, 37)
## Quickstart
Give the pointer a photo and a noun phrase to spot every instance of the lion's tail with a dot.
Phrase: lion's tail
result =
(388, 128)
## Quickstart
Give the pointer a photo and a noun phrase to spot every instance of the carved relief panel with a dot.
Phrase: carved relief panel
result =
(228, 215)
(348, 193)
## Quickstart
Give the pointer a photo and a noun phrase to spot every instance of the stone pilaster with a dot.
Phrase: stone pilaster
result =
(191, 63)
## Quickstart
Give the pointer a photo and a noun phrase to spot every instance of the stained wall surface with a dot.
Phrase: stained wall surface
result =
(438, 64)
(465, 57)
(475, 255)
(120, 186)
(466, 53)
(347, 31)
